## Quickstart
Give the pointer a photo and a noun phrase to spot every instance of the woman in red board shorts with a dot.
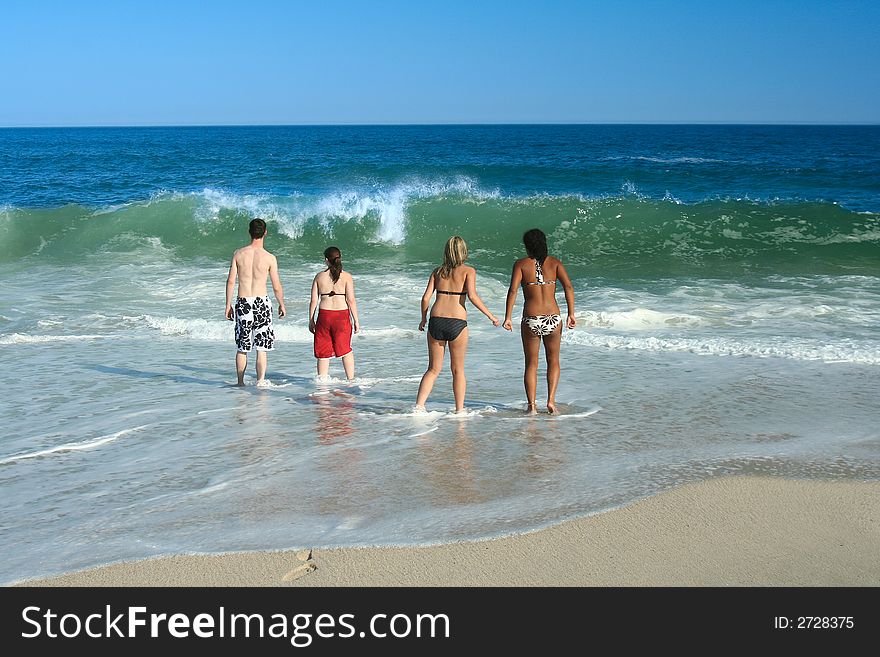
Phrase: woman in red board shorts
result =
(333, 297)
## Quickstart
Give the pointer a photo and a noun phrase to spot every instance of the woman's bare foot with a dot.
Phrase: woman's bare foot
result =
(551, 407)
(531, 409)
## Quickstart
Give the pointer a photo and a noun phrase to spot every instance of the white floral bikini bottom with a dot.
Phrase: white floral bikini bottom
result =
(542, 325)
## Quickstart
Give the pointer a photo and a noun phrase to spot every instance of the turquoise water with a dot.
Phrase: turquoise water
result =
(728, 302)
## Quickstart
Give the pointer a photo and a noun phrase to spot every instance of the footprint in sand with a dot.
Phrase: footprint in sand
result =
(299, 571)
(304, 568)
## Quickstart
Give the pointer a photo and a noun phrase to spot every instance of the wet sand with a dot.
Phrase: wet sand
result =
(732, 531)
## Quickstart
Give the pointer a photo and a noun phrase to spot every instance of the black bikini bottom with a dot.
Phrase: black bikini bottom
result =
(445, 328)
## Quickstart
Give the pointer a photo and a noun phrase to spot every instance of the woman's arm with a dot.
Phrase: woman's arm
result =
(471, 287)
(562, 277)
(426, 301)
(352, 303)
(313, 304)
(515, 281)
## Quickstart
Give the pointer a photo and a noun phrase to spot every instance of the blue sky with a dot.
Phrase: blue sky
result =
(276, 62)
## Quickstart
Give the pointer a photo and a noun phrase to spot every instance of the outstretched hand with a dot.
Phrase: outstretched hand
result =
(572, 322)
(508, 325)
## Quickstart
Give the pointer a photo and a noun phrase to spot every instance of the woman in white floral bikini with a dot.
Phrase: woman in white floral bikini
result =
(541, 320)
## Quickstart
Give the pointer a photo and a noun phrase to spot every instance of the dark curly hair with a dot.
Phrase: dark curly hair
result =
(535, 242)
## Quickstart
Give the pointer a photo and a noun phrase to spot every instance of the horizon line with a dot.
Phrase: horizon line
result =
(433, 124)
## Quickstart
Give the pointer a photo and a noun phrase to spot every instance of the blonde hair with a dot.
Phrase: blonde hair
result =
(455, 253)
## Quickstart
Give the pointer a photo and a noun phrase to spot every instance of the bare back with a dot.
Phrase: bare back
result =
(539, 299)
(451, 305)
(253, 265)
(341, 288)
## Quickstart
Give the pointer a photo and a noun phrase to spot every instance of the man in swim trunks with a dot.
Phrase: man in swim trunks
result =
(252, 311)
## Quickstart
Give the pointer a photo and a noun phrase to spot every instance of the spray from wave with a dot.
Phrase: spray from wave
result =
(627, 234)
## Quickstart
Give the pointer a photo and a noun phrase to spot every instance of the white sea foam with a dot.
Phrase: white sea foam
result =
(806, 311)
(853, 280)
(423, 432)
(114, 207)
(628, 188)
(387, 204)
(638, 319)
(677, 160)
(563, 416)
(796, 349)
(25, 338)
(388, 333)
(216, 330)
(225, 409)
(448, 414)
(664, 160)
(865, 236)
(266, 383)
(367, 382)
(72, 447)
(420, 414)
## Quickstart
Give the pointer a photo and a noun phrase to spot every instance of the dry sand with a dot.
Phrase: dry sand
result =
(723, 532)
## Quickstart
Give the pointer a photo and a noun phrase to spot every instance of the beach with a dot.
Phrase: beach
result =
(727, 298)
(731, 531)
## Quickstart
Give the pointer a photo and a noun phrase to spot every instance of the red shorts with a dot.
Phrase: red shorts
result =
(333, 333)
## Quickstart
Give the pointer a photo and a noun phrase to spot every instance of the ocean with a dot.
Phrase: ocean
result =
(727, 283)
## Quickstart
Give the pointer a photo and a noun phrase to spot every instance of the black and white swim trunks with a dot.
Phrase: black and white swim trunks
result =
(253, 324)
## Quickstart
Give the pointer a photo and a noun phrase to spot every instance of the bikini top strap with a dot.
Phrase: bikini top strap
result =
(439, 291)
(539, 272)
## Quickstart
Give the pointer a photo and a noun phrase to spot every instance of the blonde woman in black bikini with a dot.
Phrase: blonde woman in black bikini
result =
(541, 322)
(453, 281)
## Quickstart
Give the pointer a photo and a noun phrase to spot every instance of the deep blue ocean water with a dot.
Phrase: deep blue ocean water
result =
(104, 166)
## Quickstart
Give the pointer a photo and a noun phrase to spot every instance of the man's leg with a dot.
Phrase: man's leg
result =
(323, 366)
(262, 361)
(240, 366)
